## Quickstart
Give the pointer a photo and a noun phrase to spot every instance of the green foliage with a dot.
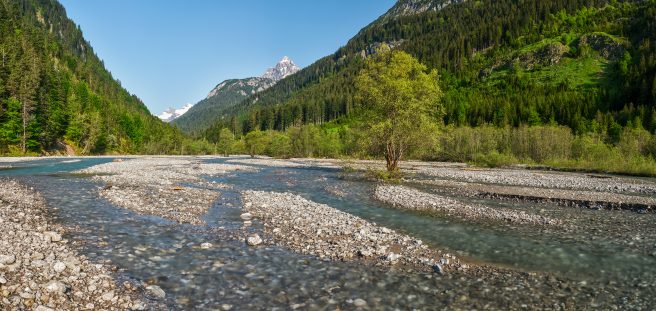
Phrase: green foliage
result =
(226, 141)
(55, 90)
(400, 104)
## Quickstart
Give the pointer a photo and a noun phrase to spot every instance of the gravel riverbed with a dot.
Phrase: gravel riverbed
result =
(317, 229)
(170, 188)
(40, 271)
(575, 198)
(405, 197)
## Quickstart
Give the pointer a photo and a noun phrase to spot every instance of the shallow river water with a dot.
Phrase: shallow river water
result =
(616, 247)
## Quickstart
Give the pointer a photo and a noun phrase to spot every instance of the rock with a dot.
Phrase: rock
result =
(56, 287)
(3, 280)
(246, 216)
(438, 269)
(393, 257)
(156, 291)
(206, 245)
(226, 307)
(42, 308)
(59, 267)
(108, 296)
(7, 259)
(254, 240)
(360, 303)
(53, 236)
(365, 253)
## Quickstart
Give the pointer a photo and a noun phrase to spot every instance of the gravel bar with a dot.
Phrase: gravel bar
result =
(543, 179)
(40, 271)
(574, 198)
(409, 198)
(162, 186)
(317, 229)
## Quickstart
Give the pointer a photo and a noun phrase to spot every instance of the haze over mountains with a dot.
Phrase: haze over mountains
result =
(228, 93)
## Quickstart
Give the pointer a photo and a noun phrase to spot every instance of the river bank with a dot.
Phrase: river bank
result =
(40, 270)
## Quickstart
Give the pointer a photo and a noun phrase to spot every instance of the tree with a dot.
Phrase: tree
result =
(256, 142)
(226, 139)
(402, 103)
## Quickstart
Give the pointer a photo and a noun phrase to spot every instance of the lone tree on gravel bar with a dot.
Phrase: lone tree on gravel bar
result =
(401, 104)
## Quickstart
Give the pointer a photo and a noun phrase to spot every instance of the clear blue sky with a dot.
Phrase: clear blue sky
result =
(170, 53)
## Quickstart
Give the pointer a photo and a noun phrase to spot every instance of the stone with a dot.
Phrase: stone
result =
(360, 303)
(108, 296)
(438, 269)
(206, 245)
(7, 259)
(246, 216)
(393, 257)
(56, 287)
(254, 240)
(3, 280)
(59, 267)
(156, 291)
(43, 308)
(53, 236)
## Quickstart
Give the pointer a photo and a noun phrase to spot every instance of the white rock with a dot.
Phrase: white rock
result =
(254, 240)
(206, 245)
(359, 303)
(43, 308)
(156, 291)
(7, 259)
(108, 296)
(54, 236)
(56, 287)
(59, 267)
(246, 216)
(393, 257)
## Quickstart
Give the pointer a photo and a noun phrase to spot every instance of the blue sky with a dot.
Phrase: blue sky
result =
(174, 52)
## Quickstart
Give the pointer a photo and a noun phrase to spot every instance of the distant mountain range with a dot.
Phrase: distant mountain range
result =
(225, 95)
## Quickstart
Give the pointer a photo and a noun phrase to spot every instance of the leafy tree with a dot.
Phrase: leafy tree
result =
(226, 140)
(256, 142)
(401, 98)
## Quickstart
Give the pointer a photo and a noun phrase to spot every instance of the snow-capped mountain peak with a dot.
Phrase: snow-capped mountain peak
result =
(171, 113)
(285, 67)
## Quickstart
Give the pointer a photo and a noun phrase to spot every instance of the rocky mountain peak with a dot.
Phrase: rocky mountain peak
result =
(411, 7)
(283, 68)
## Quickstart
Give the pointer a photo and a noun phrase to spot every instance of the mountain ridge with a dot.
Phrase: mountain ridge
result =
(229, 93)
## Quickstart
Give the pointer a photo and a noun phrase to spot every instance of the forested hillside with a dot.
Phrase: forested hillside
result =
(586, 64)
(54, 90)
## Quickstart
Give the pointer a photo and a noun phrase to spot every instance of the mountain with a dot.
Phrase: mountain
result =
(55, 91)
(283, 68)
(229, 93)
(171, 113)
(586, 64)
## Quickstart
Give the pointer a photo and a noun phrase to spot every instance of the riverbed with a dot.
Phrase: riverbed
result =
(181, 227)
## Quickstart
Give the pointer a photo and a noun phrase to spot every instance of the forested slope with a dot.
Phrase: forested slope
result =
(587, 64)
(54, 90)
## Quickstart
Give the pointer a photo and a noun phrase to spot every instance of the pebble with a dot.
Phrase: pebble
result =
(7, 259)
(254, 240)
(59, 267)
(246, 216)
(206, 245)
(360, 303)
(56, 287)
(156, 291)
